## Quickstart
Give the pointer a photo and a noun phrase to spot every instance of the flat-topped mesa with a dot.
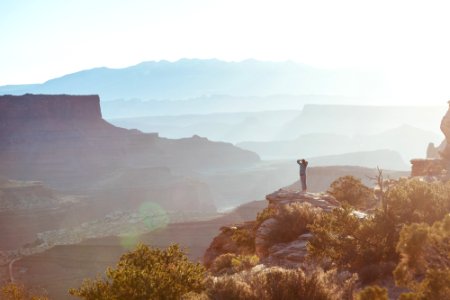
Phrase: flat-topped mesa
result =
(37, 116)
(29, 106)
(322, 200)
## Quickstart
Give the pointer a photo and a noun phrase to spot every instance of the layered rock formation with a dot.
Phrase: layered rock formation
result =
(63, 141)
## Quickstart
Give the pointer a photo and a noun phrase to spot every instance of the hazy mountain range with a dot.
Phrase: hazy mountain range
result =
(192, 78)
(409, 141)
(290, 124)
(387, 136)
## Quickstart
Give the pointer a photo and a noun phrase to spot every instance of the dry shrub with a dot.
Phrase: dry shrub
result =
(292, 221)
(373, 292)
(350, 190)
(195, 296)
(229, 287)
(17, 291)
(244, 262)
(230, 263)
(244, 239)
(424, 266)
(263, 215)
(276, 283)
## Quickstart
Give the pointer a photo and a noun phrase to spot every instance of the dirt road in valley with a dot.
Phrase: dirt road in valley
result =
(11, 269)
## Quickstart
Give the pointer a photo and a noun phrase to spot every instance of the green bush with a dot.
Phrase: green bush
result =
(146, 273)
(350, 190)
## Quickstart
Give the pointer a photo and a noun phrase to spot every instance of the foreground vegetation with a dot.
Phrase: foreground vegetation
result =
(404, 238)
(407, 235)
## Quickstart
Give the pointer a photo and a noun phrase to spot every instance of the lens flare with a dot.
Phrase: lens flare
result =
(150, 216)
(153, 215)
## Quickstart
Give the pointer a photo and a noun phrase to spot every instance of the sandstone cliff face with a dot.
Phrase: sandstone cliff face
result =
(63, 141)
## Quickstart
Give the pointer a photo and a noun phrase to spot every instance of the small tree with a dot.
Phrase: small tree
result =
(352, 191)
(381, 189)
(146, 273)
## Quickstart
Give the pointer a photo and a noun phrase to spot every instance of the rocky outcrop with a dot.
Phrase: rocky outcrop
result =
(445, 128)
(293, 251)
(437, 163)
(283, 196)
(290, 253)
(426, 167)
(226, 243)
(433, 151)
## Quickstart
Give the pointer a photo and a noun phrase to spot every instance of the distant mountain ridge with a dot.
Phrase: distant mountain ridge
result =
(190, 78)
(407, 140)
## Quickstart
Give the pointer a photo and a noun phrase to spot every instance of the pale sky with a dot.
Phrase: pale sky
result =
(408, 40)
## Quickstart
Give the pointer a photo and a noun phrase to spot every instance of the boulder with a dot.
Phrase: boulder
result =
(262, 237)
(291, 253)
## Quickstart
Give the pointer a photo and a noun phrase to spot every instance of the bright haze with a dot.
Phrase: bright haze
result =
(406, 41)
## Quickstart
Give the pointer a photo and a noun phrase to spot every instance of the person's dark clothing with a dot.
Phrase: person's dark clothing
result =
(303, 165)
(303, 181)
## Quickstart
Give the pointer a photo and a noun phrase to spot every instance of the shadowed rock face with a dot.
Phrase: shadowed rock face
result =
(64, 141)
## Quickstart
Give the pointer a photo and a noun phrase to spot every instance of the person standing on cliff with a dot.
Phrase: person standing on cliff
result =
(303, 164)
